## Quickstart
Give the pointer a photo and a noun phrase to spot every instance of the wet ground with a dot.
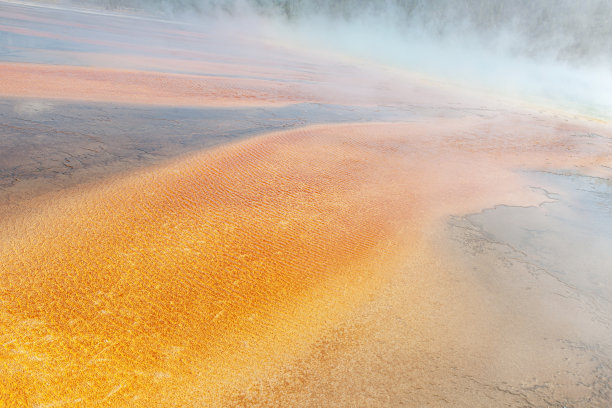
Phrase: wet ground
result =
(304, 229)
(548, 270)
(512, 309)
(569, 237)
(48, 145)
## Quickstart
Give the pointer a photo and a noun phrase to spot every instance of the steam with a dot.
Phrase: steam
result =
(551, 50)
(577, 32)
(503, 60)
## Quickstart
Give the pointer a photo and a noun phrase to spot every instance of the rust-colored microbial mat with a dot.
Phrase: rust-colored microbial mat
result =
(176, 285)
(165, 286)
(355, 235)
(96, 84)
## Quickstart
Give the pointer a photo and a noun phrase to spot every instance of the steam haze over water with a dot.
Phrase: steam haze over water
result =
(549, 50)
(305, 203)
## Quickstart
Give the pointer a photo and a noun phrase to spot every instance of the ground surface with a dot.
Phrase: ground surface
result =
(189, 222)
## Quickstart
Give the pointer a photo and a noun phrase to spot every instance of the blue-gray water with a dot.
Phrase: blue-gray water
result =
(551, 52)
(573, 31)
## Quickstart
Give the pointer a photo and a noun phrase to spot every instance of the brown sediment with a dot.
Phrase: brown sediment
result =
(139, 87)
(222, 84)
(174, 285)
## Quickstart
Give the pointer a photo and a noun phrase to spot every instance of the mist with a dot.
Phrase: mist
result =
(565, 70)
(315, 203)
(546, 51)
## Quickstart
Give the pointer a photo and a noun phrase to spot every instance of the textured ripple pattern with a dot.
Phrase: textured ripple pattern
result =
(170, 286)
(160, 286)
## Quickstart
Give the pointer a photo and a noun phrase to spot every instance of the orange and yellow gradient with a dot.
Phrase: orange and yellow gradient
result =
(170, 286)
(189, 283)
(163, 286)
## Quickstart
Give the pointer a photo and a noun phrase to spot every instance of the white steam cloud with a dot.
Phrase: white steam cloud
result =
(553, 50)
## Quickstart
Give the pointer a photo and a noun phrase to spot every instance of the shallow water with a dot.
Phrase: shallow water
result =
(48, 145)
(240, 223)
(505, 307)
(546, 270)
(568, 237)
